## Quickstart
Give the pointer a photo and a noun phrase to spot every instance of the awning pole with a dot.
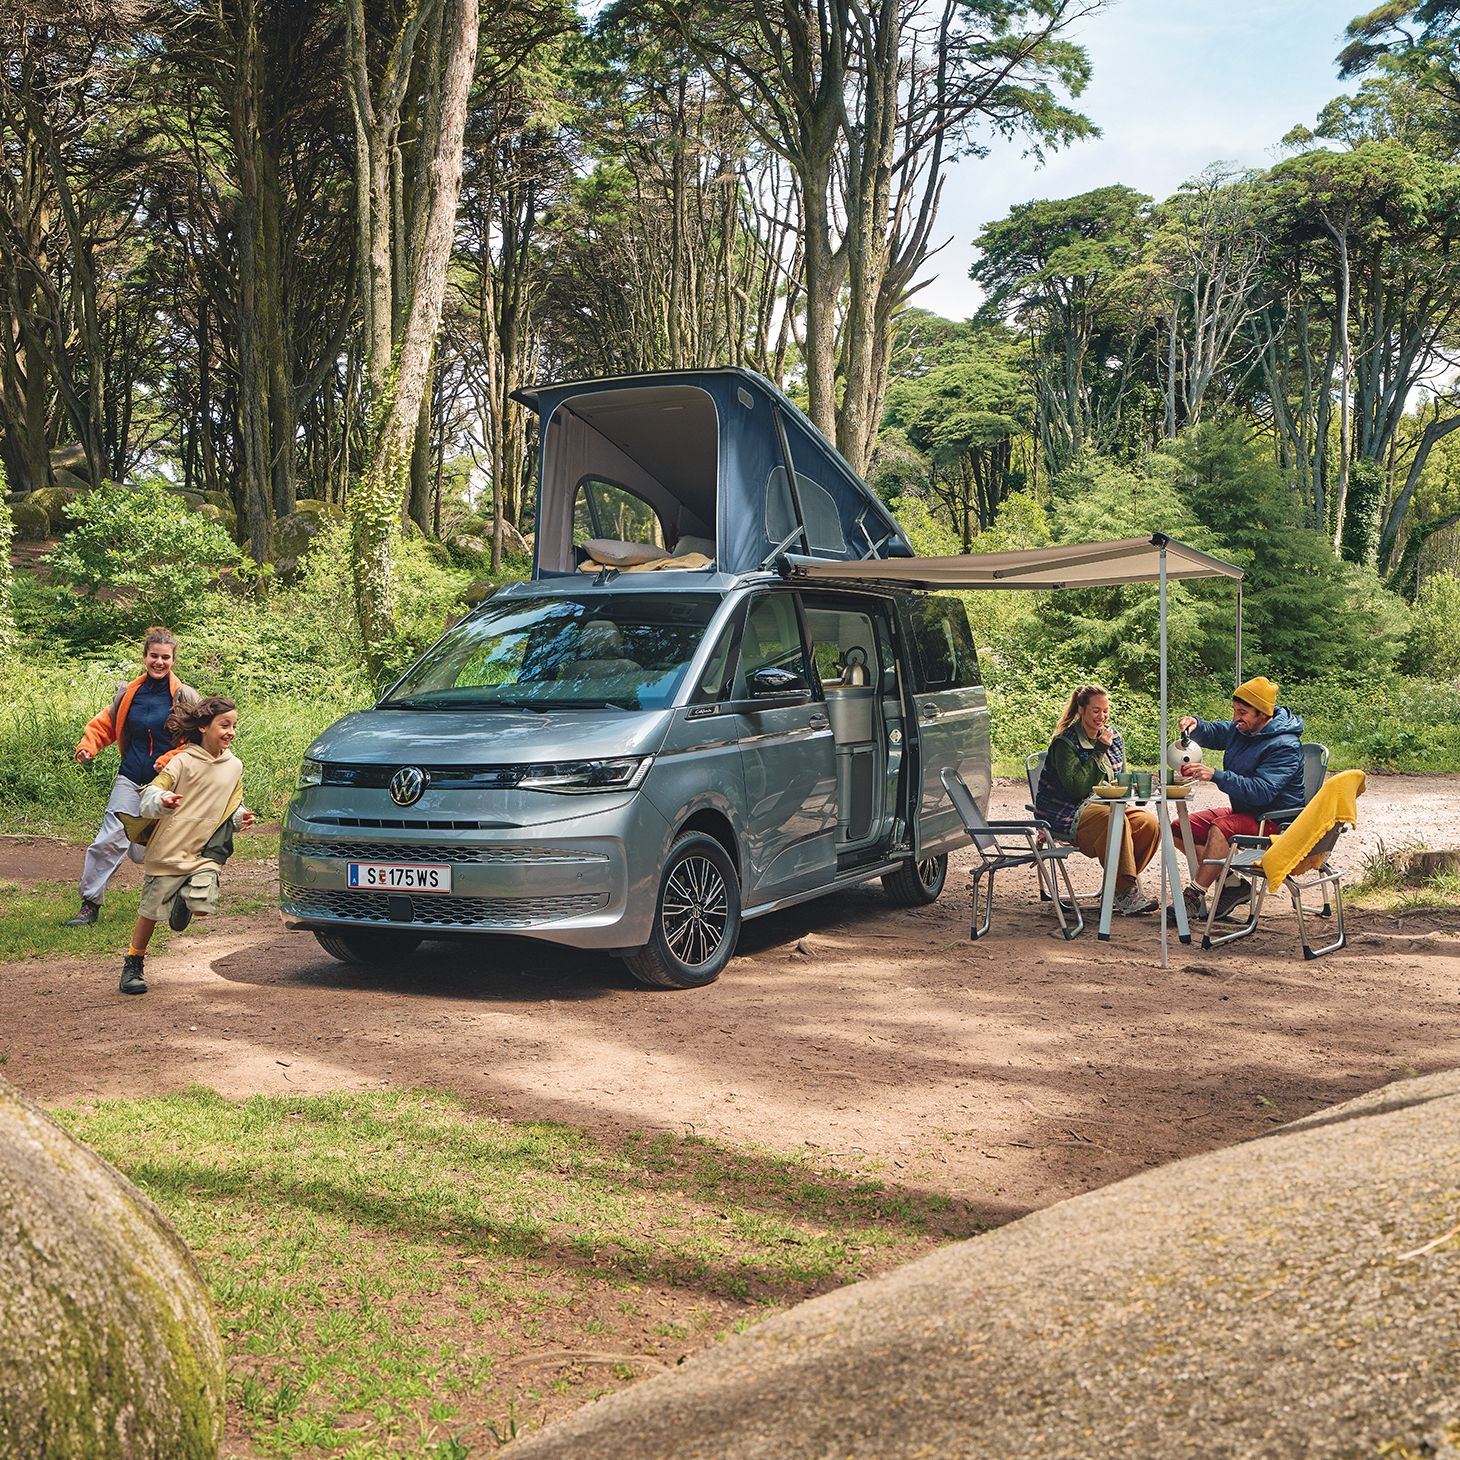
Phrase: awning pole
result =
(1238, 680)
(1161, 762)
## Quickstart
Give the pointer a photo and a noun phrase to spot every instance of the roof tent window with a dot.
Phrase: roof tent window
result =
(637, 467)
(605, 510)
(823, 522)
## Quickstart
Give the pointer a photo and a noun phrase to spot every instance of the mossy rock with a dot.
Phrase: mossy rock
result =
(53, 501)
(469, 546)
(316, 504)
(107, 1340)
(221, 500)
(71, 480)
(193, 499)
(291, 535)
(32, 523)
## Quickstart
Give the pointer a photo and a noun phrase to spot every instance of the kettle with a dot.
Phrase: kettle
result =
(1182, 751)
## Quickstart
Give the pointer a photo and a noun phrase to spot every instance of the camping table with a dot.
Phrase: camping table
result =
(1168, 851)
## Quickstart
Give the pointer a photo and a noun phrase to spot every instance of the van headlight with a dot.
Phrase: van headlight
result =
(311, 773)
(578, 776)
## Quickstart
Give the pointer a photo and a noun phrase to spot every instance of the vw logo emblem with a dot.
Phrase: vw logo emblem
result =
(408, 785)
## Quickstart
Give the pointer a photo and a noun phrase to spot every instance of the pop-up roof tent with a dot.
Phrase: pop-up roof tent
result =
(1153, 559)
(697, 460)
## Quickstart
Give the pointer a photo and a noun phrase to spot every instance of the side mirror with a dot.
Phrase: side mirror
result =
(771, 683)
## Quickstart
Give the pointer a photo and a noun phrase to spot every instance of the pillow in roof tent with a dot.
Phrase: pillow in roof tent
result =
(618, 554)
(703, 545)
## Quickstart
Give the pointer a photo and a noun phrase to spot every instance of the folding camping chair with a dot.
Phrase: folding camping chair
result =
(1008, 844)
(1244, 861)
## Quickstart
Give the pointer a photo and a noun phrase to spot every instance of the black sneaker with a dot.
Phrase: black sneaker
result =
(86, 916)
(180, 916)
(1233, 895)
(132, 980)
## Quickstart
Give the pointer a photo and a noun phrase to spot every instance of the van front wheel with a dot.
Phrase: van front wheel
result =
(371, 949)
(916, 884)
(696, 920)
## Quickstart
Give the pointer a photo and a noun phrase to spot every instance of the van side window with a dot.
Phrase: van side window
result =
(773, 637)
(604, 509)
(843, 646)
(716, 682)
(945, 645)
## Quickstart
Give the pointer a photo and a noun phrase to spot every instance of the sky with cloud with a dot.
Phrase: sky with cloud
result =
(1176, 85)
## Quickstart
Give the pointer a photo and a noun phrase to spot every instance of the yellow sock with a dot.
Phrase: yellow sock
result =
(134, 951)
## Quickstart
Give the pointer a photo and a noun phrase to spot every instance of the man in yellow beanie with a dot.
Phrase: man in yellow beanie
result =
(1262, 774)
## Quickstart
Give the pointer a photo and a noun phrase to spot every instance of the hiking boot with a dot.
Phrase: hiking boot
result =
(1195, 904)
(180, 916)
(132, 980)
(1233, 895)
(86, 916)
(1134, 901)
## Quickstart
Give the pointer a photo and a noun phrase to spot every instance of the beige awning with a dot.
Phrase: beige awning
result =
(1072, 565)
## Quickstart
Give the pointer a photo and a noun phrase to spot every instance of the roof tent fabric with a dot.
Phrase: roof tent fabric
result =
(752, 504)
(1071, 565)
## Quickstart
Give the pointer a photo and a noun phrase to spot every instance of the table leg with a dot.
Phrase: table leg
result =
(1173, 876)
(1183, 816)
(1112, 866)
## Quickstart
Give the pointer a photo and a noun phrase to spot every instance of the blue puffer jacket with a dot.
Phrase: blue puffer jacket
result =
(1263, 773)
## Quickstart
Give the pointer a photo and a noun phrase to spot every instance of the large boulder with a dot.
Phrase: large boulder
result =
(291, 535)
(107, 1340)
(222, 515)
(1297, 1295)
(53, 501)
(72, 481)
(70, 458)
(32, 523)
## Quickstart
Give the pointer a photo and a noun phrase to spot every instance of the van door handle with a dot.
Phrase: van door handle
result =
(931, 712)
(817, 722)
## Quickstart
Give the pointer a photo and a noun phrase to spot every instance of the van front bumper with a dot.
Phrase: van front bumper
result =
(593, 889)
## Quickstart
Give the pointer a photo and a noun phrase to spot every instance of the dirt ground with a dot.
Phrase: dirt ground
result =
(1011, 1073)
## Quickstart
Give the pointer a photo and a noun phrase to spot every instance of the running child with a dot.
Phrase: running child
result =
(188, 816)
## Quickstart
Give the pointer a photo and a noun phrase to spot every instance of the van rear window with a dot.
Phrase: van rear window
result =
(627, 650)
(945, 644)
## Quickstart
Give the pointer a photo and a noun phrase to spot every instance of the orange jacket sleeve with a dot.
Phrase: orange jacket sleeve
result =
(99, 733)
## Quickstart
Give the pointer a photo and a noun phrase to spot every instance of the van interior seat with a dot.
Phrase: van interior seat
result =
(600, 652)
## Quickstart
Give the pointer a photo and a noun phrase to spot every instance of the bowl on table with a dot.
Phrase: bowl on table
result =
(1111, 793)
(1177, 790)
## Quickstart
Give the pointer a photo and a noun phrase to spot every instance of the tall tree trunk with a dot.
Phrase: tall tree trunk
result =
(399, 380)
(1345, 428)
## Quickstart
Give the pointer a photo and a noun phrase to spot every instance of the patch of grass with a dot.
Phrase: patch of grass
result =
(398, 1275)
(35, 916)
(1385, 884)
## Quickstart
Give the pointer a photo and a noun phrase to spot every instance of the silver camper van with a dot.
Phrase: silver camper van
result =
(670, 728)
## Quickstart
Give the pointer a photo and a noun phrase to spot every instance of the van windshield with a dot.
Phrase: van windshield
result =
(628, 650)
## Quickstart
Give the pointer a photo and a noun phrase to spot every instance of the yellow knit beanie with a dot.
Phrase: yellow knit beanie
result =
(1260, 693)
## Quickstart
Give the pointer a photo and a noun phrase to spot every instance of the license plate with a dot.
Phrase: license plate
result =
(397, 877)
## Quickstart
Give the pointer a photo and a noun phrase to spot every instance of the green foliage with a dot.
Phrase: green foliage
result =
(1306, 615)
(1361, 512)
(7, 594)
(139, 557)
(1433, 648)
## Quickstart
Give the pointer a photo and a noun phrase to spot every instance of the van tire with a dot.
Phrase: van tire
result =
(916, 884)
(373, 950)
(697, 865)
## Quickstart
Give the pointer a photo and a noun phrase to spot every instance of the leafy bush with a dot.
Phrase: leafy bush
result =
(140, 557)
(1433, 647)
(7, 599)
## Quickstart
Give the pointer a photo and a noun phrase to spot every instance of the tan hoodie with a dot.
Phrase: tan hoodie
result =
(212, 792)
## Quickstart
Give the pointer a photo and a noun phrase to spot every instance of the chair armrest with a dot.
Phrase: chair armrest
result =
(1019, 826)
(1250, 841)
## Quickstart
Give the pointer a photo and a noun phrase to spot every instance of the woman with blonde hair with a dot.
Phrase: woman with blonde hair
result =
(1087, 751)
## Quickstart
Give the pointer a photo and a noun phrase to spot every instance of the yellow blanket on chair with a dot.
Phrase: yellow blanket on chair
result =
(1292, 850)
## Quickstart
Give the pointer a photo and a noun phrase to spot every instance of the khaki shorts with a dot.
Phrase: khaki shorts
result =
(199, 891)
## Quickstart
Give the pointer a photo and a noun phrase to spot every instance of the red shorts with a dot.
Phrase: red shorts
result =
(1230, 823)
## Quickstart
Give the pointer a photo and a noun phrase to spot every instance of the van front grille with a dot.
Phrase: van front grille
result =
(437, 911)
(442, 852)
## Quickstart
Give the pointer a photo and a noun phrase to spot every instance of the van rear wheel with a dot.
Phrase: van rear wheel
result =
(696, 919)
(374, 950)
(916, 884)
